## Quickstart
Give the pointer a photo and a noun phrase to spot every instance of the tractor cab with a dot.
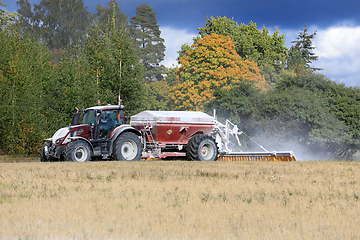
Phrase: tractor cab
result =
(102, 120)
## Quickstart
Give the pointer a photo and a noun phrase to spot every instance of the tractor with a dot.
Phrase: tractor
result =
(102, 133)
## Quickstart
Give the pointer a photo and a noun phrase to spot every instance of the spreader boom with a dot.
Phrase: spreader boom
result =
(257, 156)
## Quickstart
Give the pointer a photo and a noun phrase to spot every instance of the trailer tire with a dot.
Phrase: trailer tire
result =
(202, 148)
(128, 147)
(78, 151)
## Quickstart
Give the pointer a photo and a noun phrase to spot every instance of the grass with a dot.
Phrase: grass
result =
(180, 200)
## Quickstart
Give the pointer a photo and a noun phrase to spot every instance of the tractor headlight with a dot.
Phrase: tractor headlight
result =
(59, 140)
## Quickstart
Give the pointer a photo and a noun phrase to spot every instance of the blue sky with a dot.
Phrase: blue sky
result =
(337, 23)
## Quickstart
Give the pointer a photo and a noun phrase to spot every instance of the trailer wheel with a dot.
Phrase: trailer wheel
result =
(78, 151)
(44, 153)
(202, 148)
(128, 147)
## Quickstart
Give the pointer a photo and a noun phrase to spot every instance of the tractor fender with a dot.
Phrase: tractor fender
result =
(120, 130)
(83, 139)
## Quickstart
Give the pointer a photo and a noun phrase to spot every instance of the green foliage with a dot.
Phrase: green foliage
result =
(41, 87)
(111, 15)
(170, 75)
(211, 64)
(300, 55)
(237, 103)
(303, 44)
(309, 112)
(150, 46)
(6, 18)
(268, 51)
(59, 24)
(114, 65)
(23, 69)
(157, 96)
(25, 20)
(38, 97)
(184, 49)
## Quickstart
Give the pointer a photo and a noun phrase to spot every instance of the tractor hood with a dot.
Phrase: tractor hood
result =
(64, 135)
(60, 134)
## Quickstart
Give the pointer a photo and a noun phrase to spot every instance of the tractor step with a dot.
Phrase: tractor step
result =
(258, 156)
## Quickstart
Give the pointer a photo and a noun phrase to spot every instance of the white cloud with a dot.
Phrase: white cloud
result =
(174, 38)
(341, 41)
(338, 48)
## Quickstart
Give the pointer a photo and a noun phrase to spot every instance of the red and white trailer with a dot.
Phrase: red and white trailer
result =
(194, 135)
(170, 134)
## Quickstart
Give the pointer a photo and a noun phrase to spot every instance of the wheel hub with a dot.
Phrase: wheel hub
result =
(81, 154)
(78, 154)
(203, 151)
(129, 149)
(207, 151)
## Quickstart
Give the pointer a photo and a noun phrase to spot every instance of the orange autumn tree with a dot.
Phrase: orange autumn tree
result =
(211, 64)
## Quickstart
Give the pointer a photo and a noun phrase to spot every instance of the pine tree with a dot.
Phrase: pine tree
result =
(147, 41)
(300, 55)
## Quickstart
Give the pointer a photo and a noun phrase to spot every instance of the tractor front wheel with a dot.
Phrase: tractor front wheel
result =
(202, 148)
(78, 151)
(128, 147)
(44, 153)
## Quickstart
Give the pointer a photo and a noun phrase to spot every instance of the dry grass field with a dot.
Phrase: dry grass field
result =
(179, 200)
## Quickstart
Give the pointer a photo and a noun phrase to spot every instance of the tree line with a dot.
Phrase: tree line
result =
(56, 56)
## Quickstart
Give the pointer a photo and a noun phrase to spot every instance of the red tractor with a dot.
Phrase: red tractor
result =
(104, 134)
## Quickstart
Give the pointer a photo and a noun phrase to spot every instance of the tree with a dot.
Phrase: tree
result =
(212, 64)
(150, 46)
(114, 67)
(25, 19)
(300, 55)
(184, 48)
(24, 72)
(106, 17)
(268, 51)
(156, 96)
(237, 103)
(57, 23)
(307, 113)
(5, 17)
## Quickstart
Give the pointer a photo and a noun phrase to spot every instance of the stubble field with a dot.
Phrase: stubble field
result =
(179, 200)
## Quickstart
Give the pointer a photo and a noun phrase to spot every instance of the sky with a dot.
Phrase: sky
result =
(337, 23)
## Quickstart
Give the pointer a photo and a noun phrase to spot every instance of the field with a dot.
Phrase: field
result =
(179, 200)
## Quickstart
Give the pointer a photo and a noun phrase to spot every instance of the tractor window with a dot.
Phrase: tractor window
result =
(108, 123)
(90, 117)
(120, 117)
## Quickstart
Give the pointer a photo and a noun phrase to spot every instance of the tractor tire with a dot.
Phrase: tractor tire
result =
(128, 147)
(202, 148)
(78, 151)
(44, 153)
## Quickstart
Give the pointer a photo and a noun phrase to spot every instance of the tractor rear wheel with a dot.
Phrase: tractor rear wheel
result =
(128, 147)
(202, 148)
(78, 151)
